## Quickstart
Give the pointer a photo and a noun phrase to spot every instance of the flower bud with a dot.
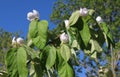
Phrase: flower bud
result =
(83, 11)
(20, 40)
(33, 15)
(99, 19)
(66, 23)
(64, 38)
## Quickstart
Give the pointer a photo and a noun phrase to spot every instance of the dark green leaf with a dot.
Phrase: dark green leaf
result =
(38, 68)
(11, 62)
(85, 32)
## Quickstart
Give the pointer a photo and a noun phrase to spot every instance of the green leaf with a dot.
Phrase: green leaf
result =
(33, 28)
(85, 32)
(51, 57)
(39, 42)
(91, 11)
(94, 55)
(30, 52)
(74, 18)
(71, 36)
(16, 62)
(43, 28)
(35, 69)
(41, 39)
(95, 46)
(107, 31)
(32, 71)
(65, 52)
(75, 44)
(21, 62)
(106, 39)
(87, 52)
(11, 62)
(65, 70)
(38, 68)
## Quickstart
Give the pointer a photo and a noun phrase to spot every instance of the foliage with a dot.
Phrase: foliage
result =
(108, 9)
(44, 54)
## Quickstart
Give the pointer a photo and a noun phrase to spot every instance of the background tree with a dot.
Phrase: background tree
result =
(5, 45)
(107, 9)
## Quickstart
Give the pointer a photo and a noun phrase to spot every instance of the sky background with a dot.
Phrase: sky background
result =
(13, 13)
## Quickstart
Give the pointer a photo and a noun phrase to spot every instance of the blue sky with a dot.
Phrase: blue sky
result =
(13, 13)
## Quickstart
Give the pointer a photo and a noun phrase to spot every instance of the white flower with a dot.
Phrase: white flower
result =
(99, 19)
(36, 14)
(14, 40)
(20, 40)
(33, 15)
(84, 11)
(66, 23)
(17, 41)
(64, 38)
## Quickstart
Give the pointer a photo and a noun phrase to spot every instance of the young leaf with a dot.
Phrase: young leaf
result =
(74, 18)
(75, 44)
(32, 71)
(65, 52)
(95, 46)
(94, 55)
(51, 57)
